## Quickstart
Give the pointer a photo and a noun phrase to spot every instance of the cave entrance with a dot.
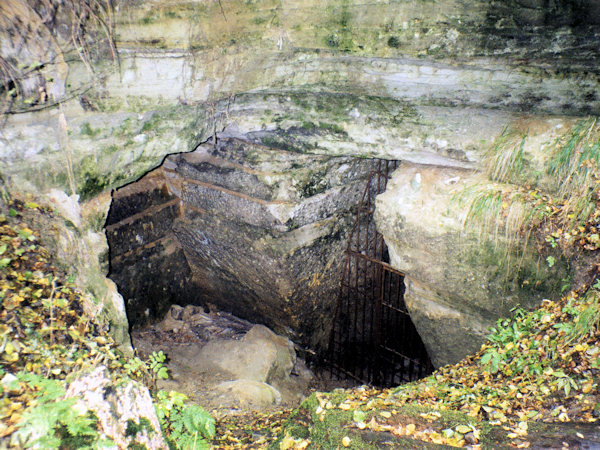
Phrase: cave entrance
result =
(264, 234)
(373, 339)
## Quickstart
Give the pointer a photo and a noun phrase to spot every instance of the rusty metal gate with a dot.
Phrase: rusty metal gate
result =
(373, 339)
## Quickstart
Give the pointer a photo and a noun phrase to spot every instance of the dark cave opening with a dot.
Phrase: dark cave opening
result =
(207, 229)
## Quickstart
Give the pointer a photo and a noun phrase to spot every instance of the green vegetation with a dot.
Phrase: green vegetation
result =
(570, 172)
(313, 183)
(186, 427)
(92, 185)
(286, 143)
(150, 371)
(47, 340)
(505, 163)
(328, 424)
(559, 201)
(542, 365)
(87, 130)
(574, 173)
(394, 42)
(55, 421)
(537, 366)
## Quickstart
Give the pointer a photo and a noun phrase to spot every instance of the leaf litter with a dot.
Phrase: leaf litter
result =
(538, 366)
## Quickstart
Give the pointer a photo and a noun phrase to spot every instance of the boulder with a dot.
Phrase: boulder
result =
(247, 394)
(116, 406)
(260, 355)
(285, 357)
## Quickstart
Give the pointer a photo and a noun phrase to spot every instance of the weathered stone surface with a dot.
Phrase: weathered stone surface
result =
(285, 359)
(247, 394)
(252, 360)
(452, 275)
(117, 406)
(147, 261)
(426, 82)
(251, 229)
(219, 360)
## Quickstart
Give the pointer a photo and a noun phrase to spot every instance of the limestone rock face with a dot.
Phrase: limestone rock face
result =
(285, 358)
(252, 360)
(431, 83)
(452, 275)
(248, 228)
(130, 402)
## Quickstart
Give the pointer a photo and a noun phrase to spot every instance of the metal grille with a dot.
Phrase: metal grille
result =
(373, 339)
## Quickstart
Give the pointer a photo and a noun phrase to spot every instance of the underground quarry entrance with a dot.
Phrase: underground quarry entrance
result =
(217, 247)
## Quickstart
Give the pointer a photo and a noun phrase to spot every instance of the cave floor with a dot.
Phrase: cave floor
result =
(182, 340)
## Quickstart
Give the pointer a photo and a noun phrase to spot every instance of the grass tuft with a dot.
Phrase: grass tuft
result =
(574, 168)
(505, 161)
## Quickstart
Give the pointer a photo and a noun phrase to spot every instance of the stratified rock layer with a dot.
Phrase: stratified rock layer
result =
(251, 229)
(425, 82)
(457, 282)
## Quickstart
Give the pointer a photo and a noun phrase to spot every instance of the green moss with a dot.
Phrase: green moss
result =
(93, 184)
(110, 149)
(125, 129)
(286, 143)
(326, 433)
(109, 105)
(87, 130)
(134, 428)
(394, 42)
(313, 184)
(260, 20)
(149, 18)
(308, 126)
(336, 107)
(332, 127)
(447, 419)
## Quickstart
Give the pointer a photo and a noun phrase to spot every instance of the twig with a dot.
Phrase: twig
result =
(222, 11)
(64, 129)
(52, 309)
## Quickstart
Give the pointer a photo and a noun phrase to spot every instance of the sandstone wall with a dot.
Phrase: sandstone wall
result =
(431, 83)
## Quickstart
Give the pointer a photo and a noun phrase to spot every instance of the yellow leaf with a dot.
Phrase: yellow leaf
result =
(302, 444)
(437, 439)
(346, 441)
(287, 442)
(9, 348)
(410, 429)
(587, 387)
(463, 429)
(385, 414)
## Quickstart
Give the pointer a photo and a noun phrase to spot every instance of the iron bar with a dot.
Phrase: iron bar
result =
(373, 339)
